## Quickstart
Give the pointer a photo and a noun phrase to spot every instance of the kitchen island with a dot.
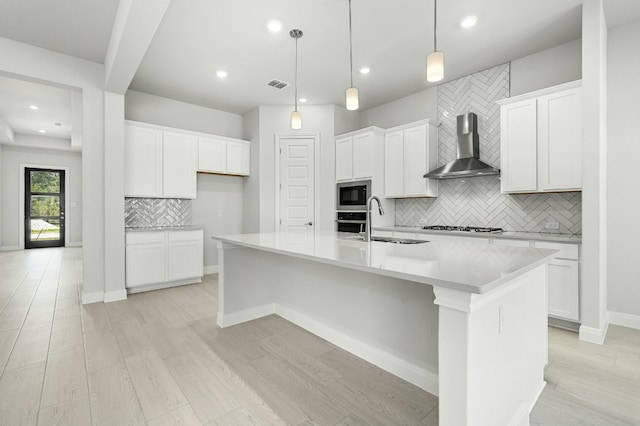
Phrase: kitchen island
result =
(465, 321)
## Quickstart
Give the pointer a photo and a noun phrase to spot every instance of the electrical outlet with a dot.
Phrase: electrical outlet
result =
(422, 221)
(552, 225)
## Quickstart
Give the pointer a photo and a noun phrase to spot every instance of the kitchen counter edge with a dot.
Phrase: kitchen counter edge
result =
(508, 235)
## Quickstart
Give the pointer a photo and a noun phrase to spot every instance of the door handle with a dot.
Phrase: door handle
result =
(309, 224)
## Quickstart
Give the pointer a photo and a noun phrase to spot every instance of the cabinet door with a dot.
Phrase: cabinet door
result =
(142, 162)
(179, 171)
(238, 158)
(363, 157)
(185, 255)
(344, 159)
(394, 164)
(415, 161)
(212, 155)
(518, 134)
(145, 257)
(560, 140)
(564, 289)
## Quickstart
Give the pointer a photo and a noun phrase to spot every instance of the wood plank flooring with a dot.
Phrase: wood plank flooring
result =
(158, 359)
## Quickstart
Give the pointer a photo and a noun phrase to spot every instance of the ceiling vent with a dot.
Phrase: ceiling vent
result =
(277, 84)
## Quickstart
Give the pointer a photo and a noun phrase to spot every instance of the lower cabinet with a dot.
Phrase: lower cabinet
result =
(564, 289)
(158, 259)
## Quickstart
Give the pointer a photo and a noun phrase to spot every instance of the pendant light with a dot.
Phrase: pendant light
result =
(352, 92)
(296, 117)
(435, 59)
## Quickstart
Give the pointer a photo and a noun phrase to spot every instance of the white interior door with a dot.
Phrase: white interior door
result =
(297, 183)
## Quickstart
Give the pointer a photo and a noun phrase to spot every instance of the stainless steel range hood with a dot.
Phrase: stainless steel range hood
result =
(468, 163)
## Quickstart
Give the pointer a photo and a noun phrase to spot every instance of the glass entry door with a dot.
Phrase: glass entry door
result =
(44, 208)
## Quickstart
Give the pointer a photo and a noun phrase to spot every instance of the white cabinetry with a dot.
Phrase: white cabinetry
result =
(541, 140)
(224, 156)
(159, 163)
(356, 154)
(410, 152)
(157, 259)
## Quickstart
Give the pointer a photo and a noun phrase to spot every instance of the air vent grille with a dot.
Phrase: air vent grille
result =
(277, 84)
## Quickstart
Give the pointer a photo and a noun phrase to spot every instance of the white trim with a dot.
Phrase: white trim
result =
(418, 376)
(94, 297)
(66, 198)
(593, 335)
(160, 286)
(74, 244)
(316, 174)
(114, 296)
(625, 320)
(245, 315)
(211, 269)
(10, 248)
(541, 92)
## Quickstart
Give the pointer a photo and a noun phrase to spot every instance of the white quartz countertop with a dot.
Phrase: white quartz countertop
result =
(163, 228)
(461, 265)
(512, 235)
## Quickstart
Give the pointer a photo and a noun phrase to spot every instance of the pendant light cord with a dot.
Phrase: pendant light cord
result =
(296, 78)
(435, 25)
(350, 47)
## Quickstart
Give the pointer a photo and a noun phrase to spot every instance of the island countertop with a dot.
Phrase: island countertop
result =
(460, 265)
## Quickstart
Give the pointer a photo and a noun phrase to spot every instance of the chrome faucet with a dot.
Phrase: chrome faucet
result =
(367, 231)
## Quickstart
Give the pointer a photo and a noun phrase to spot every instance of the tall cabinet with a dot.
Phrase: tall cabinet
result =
(410, 151)
(541, 140)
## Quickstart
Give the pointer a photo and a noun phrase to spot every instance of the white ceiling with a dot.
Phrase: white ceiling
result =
(54, 106)
(196, 37)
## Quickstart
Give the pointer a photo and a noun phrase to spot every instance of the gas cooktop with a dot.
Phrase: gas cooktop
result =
(463, 229)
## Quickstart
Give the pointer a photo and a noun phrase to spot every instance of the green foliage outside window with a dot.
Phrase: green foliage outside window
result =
(45, 182)
(42, 205)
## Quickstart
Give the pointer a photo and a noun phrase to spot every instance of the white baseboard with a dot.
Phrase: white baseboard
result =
(114, 296)
(593, 335)
(94, 297)
(212, 269)
(160, 286)
(246, 315)
(420, 377)
(75, 244)
(625, 320)
(10, 248)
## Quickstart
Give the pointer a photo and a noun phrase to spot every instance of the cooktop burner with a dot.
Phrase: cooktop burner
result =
(463, 228)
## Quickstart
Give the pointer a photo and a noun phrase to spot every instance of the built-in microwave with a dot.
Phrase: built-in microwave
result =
(353, 195)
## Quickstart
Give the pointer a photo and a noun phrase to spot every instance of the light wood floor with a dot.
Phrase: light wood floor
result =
(158, 359)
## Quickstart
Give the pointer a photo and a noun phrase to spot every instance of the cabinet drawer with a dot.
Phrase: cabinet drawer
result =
(567, 251)
(144, 237)
(185, 235)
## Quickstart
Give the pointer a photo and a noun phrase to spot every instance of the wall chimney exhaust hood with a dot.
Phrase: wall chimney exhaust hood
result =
(468, 163)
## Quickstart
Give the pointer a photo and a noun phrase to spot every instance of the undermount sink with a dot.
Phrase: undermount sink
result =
(398, 240)
(388, 240)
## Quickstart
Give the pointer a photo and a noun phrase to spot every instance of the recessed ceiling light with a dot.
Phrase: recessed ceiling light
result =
(274, 26)
(468, 21)
(33, 107)
(365, 70)
(221, 74)
(302, 100)
(42, 131)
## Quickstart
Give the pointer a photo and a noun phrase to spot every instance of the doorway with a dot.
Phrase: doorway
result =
(44, 207)
(296, 187)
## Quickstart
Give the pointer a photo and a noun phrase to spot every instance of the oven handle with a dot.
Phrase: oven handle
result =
(351, 221)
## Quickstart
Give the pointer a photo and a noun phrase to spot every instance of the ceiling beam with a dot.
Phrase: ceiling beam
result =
(6, 133)
(133, 30)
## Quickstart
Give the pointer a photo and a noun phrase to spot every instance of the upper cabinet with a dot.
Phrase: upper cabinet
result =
(541, 140)
(410, 151)
(159, 163)
(357, 153)
(224, 156)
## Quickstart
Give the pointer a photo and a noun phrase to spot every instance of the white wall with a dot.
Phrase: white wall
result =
(11, 175)
(345, 121)
(251, 212)
(405, 110)
(550, 67)
(168, 112)
(215, 194)
(623, 176)
(276, 121)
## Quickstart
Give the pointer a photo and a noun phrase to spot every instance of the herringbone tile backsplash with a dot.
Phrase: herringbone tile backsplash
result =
(151, 212)
(478, 201)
